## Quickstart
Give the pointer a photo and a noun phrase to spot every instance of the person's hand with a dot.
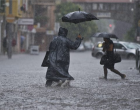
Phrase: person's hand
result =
(79, 36)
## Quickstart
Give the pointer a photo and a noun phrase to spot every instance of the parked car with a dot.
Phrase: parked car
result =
(88, 45)
(136, 45)
(97, 50)
(81, 47)
(125, 49)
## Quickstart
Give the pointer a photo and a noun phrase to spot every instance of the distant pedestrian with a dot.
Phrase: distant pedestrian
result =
(108, 47)
(5, 45)
(22, 39)
(13, 42)
(59, 58)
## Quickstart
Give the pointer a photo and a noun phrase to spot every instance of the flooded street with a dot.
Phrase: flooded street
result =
(22, 85)
(86, 27)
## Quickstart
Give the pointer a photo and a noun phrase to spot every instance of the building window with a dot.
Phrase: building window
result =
(88, 7)
(117, 6)
(113, 6)
(106, 6)
(100, 6)
(94, 6)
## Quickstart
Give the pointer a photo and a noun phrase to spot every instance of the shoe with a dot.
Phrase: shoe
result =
(66, 83)
(54, 84)
(60, 82)
(123, 76)
(57, 83)
(103, 78)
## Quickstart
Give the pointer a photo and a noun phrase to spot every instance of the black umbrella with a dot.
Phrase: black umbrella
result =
(105, 35)
(78, 16)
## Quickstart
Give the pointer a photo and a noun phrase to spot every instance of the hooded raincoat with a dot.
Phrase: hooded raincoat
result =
(59, 56)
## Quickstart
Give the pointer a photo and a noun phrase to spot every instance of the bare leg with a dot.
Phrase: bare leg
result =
(105, 72)
(117, 72)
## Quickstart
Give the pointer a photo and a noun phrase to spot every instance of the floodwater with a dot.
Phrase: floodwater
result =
(22, 86)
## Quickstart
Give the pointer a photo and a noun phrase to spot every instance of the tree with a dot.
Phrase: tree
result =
(133, 32)
(40, 19)
(86, 29)
(40, 15)
(130, 36)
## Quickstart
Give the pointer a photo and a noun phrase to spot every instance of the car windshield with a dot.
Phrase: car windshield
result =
(136, 44)
(130, 45)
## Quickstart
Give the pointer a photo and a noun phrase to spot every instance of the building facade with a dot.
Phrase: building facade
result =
(30, 20)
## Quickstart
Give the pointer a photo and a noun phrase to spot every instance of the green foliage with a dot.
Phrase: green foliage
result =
(40, 19)
(130, 36)
(86, 29)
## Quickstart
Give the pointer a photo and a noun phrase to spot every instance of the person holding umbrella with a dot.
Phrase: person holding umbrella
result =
(59, 59)
(108, 48)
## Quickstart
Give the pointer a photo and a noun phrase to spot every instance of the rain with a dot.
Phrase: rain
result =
(40, 41)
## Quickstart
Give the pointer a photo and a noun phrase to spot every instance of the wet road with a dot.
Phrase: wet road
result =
(22, 85)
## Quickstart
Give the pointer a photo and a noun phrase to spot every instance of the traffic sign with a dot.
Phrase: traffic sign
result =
(25, 21)
(10, 18)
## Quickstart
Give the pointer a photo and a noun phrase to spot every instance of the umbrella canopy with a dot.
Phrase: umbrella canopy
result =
(105, 35)
(78, 16)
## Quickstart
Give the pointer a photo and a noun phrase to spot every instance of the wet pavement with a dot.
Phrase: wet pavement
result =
(22, 86)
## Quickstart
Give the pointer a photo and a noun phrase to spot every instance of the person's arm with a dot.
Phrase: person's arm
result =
(103, 47)
(110, 47)
(76, 44)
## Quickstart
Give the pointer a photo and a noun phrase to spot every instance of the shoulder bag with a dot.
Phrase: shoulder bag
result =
(103, 60)
(117, 57)
(45, 62)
